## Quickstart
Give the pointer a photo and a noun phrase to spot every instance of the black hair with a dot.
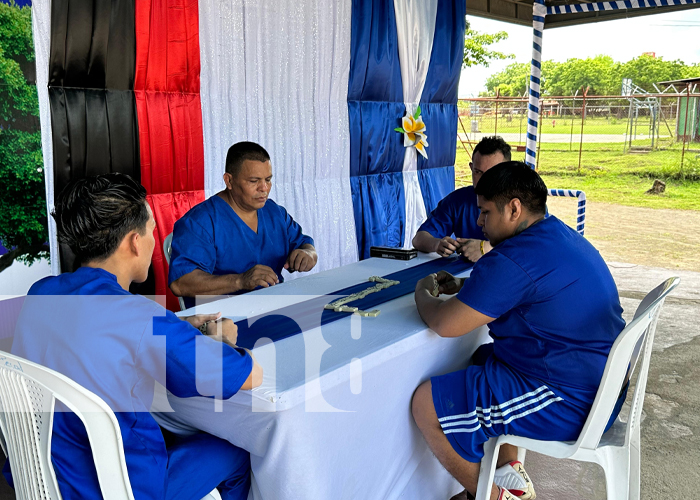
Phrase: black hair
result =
(513, 179)
(242, 151)
(94, 214)
(491, 145)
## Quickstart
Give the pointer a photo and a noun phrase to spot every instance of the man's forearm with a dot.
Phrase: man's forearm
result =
(423, 241)
(198, 282)
(428, 306)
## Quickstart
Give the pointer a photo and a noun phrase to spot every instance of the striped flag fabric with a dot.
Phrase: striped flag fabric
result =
(159, 90)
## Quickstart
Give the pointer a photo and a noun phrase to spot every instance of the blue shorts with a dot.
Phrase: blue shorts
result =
(490, 399)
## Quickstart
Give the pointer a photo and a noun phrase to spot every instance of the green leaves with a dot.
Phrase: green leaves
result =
(416, 115)
(23, 218)
(601, 73)
(400, 129)
(476, 51)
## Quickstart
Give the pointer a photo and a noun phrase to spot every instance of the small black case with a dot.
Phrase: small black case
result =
(393, 253)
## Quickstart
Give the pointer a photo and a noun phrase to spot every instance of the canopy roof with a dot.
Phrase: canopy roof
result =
(520, 12)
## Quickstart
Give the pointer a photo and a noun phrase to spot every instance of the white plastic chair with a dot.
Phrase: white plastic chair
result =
(28, 394)
(616, 451)
(167, 250)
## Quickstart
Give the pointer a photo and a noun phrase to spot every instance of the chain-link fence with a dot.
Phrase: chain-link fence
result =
(654, 135)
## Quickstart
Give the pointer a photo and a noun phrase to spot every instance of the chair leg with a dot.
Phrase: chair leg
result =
(635, 466)
(616, 465)
(521, 455)
(488, 468)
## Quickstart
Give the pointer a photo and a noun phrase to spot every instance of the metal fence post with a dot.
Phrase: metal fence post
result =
(583, 118)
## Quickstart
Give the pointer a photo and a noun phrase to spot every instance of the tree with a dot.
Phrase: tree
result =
(476, 51)
(601, 74)
(23, 222)
(515, 79)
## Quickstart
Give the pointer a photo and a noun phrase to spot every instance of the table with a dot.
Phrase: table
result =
(332, 417)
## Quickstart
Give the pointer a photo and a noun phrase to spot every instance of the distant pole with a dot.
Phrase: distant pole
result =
(583, 118)
(539, 11)
(571, 137)
(495, 125)
(685, 127)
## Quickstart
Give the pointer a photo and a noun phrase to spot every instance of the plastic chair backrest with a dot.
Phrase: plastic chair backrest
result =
(640, 332)
(167, 250)
(28, 394)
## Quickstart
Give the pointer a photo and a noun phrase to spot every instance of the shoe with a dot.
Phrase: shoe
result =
(513, 477)
(504, 494)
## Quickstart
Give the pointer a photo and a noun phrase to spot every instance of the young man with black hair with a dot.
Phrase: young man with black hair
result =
(239, 239)
(457, 213)
(87, 326)
(553, 312)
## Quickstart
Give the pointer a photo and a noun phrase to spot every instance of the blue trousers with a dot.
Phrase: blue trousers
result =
(196, 465)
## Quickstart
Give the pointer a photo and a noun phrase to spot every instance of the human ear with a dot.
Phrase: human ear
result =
(227, 180)
(516, 209)
(134, 240)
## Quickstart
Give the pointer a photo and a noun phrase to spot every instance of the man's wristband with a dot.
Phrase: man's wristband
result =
(482, 247)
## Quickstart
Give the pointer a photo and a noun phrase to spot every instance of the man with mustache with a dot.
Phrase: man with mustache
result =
(239, 239)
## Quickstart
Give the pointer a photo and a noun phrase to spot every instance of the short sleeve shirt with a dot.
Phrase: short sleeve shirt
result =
(456, 214)
(556, 305)
(115, 344)
(213, 238)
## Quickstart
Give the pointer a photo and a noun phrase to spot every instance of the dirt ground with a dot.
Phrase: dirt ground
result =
(644, 236)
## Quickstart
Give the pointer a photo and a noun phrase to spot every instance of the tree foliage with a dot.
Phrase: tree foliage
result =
(476, 48)
(22, 204)
(601, 74)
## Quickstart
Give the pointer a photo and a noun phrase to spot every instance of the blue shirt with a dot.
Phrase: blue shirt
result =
(457, 213)
(213, 238)
(557, 307)
(85, 326)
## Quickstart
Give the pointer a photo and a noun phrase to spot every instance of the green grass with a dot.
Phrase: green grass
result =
(607, 175)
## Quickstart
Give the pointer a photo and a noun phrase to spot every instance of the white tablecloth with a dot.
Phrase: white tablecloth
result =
(332, 418)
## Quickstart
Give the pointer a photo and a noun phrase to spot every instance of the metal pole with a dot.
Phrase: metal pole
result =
(583, 118)
(495, 124)
(539, 11)
(685, 128)
(571, 137)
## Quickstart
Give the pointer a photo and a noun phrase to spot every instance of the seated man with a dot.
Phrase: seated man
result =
(554, 313)
(457, 213)
(87, 326)
(237, 240)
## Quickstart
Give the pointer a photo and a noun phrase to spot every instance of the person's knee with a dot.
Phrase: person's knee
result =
(422, 405)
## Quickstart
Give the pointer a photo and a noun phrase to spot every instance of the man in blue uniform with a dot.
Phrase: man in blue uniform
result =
(553, 311)
(457, 213)
(238, 239)
(87, 326)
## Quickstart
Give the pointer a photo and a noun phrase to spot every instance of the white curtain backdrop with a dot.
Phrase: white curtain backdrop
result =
(276, 73)
(41, 27)
(415, 26)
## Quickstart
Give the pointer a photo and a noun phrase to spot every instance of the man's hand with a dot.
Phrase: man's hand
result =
(256, 276)
(199, 319)
(471, 249)
(223, 330)
(447, 246)
(448, 284)
(301, 259)
(428, 283)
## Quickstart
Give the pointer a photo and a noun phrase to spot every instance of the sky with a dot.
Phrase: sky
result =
(672, 36)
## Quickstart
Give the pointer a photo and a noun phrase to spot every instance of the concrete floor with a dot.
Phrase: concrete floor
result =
(671, 422)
